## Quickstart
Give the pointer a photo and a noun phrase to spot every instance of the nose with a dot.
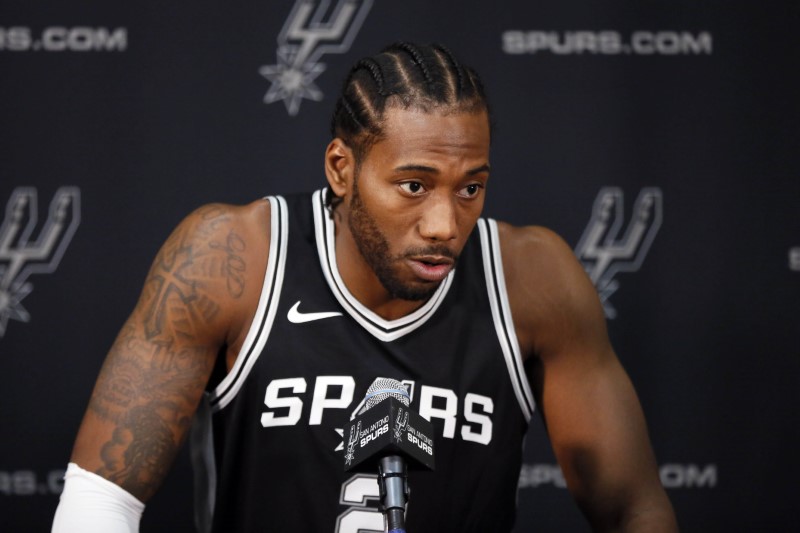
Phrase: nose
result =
(438, 222)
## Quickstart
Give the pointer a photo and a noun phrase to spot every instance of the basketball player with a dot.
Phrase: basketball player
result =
(267, 323)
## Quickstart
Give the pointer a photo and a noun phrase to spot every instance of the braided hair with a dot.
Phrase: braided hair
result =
(404, 75)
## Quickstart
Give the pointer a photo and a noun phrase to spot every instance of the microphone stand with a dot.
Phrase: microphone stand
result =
(393, 484)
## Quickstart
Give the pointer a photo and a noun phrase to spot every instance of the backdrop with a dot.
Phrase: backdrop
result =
(660, 139)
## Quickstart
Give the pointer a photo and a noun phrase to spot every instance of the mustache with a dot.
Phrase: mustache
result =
(441, 250)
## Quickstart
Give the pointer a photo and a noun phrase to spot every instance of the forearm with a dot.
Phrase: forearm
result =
(657, 516)
(139, 411)
(649, 513)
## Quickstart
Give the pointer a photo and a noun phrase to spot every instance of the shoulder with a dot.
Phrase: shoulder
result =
(550, 295)
(215, 218)
(216, 228)
(213, 264)
(532, 242)
(535, 257)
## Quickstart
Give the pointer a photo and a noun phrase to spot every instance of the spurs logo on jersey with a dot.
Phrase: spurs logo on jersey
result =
(285, 400)
(22, 253)
(604, 253)
(305, 37)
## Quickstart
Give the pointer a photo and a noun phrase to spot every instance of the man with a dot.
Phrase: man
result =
(284, 311)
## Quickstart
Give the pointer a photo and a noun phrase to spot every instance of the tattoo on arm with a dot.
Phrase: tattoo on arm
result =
(157, 369)
(234, 267)
(149, 393)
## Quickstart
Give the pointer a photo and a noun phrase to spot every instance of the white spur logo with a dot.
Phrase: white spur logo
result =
(604, 253)
(400, 425)
(23, 254)
(355, 431)
(305, 37)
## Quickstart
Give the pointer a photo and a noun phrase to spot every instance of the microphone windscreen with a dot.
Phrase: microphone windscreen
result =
(383, 388)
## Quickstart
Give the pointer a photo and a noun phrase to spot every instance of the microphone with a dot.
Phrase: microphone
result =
(383, 435)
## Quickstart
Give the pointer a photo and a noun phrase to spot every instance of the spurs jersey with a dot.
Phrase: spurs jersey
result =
(268, 442)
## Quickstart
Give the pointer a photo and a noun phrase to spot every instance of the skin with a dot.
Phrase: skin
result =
(422, 187)
(196, 303)
(413, 200)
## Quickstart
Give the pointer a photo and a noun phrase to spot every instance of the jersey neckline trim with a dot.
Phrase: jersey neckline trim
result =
(385, 330)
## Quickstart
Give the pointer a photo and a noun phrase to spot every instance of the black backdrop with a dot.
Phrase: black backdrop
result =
(128, 116)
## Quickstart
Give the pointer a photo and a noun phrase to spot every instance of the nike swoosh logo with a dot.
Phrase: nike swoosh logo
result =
(296, 317)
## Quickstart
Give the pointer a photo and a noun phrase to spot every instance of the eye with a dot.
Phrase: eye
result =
(471, 190)
(413, 188)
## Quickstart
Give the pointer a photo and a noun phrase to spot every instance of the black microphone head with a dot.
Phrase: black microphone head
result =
(383, 388)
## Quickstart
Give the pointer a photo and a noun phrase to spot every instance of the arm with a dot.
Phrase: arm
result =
(591, 411)
(196, 300)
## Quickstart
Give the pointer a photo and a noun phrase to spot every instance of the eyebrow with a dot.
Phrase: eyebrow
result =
(432, 170)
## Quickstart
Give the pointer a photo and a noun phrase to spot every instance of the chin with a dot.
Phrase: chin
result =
(414, 293)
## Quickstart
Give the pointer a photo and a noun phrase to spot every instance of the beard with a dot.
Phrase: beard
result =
(374, 248)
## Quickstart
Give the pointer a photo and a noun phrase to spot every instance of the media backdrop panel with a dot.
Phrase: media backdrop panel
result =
(660, 139)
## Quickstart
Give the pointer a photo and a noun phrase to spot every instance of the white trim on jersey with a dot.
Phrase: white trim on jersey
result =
(385, 330)
(267, 307)
(501, 312)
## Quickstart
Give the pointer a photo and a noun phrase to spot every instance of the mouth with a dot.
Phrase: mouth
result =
(431, 267)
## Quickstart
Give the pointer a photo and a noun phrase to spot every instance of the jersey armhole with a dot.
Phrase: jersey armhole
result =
(501, 314)
(264, 317)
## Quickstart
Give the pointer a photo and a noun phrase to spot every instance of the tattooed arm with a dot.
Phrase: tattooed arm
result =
(199, 296)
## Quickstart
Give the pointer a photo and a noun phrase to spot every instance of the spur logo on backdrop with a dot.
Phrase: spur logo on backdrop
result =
(313, 28)
(22, 253)
(794, 258)
(604, 253)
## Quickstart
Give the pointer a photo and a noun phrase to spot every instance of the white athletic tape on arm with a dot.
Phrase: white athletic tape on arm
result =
(92, 504)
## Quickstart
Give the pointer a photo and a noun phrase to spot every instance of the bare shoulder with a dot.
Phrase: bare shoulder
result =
(549, 291)
(537, 259)
(537, 243)
(217, 257)
(211, 221)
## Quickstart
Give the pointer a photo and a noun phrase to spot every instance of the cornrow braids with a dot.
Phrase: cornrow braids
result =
(455, 65)
(404, 75)
(374, 69)
(419, 61)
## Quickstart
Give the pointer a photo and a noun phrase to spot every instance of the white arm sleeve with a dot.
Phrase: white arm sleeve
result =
(92, 504)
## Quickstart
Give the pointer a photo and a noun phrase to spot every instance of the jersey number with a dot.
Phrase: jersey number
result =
(357, 492)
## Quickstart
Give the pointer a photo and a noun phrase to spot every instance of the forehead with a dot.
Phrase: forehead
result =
(411, 133)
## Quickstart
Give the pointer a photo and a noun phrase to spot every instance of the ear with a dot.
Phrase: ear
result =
(339, 167)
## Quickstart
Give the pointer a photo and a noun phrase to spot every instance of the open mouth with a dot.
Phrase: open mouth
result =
(430, 268)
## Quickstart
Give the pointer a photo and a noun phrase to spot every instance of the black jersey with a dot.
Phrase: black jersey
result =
(272, 438)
